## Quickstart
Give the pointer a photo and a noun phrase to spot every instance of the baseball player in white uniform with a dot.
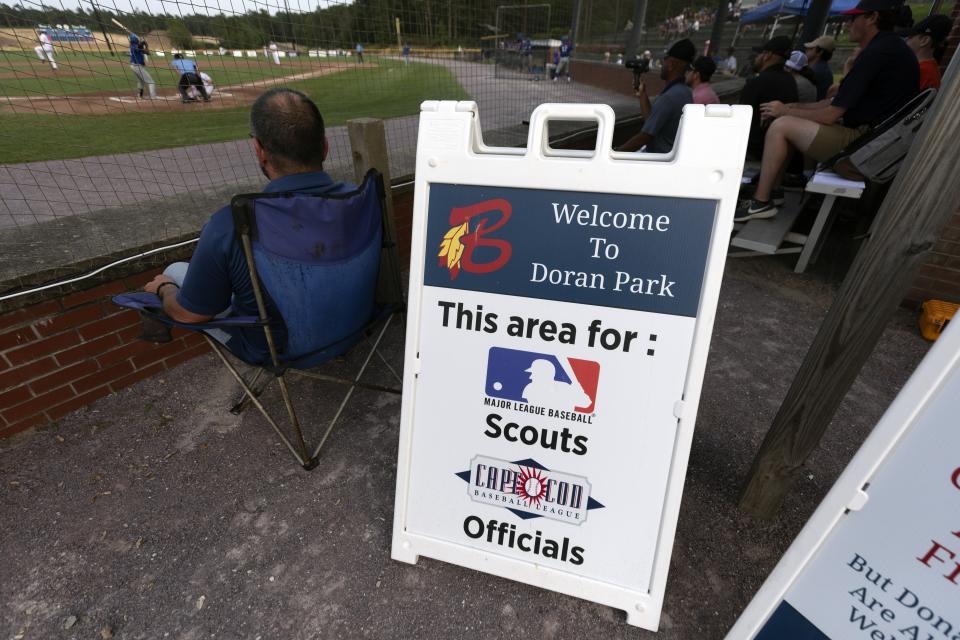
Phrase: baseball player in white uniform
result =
(275, 52)
(193, 92)
(45, 49)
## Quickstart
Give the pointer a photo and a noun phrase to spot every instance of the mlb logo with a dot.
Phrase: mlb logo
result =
(543, 379)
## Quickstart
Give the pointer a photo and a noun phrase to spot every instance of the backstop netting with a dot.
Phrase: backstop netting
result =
(96, 164)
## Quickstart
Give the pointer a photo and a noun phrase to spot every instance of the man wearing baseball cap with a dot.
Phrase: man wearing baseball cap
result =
(927, 39)
(662, 118)
(698, 79)
(772, 82)
(819, 52)
(884, 77)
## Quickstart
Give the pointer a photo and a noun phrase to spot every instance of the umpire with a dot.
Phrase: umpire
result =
(189, 76)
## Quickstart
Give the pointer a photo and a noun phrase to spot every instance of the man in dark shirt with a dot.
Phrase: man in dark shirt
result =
(290, 144)
(662, 118)
(772, 82)
(884, 77)
(819, 53)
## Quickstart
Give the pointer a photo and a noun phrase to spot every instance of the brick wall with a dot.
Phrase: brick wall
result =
(61, 354)
(939, 277)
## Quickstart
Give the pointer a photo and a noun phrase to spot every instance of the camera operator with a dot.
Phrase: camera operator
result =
(662, 118)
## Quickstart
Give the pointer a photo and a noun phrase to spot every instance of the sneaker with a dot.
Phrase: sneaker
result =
(141, 94)
(777, 197)
(186, 100)
(569, 79)
(755, 210)
(554, 79)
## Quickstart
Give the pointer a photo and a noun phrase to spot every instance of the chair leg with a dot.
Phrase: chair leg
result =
(356, 379)
(243, 401)
(292, 414)
(216, 346)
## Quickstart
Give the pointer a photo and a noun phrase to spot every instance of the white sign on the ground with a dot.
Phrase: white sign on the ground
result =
(880, 558)
(561, 305)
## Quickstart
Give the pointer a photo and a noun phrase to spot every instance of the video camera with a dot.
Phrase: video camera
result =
(639, 66)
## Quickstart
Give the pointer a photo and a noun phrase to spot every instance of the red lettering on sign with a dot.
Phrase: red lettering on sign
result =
(475, 239)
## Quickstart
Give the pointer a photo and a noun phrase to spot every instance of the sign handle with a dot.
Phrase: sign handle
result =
(539, 142)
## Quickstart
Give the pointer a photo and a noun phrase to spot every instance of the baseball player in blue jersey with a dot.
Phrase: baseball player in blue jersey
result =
(138, 61)
(526, 53)
(563, 66)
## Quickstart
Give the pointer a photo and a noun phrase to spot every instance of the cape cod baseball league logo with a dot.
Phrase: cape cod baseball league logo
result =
(542, 379)
(460, 242)
(529, 490)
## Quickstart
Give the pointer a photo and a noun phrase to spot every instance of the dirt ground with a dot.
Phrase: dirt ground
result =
(156, 513)
(108, 102)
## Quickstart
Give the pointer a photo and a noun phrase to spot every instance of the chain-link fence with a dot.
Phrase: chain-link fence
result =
(103, 153)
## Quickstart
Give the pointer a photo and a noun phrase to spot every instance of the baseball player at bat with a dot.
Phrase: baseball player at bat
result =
(138, 61)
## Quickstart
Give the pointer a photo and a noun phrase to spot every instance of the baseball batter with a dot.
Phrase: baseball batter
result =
(44, 50)
(138, 61)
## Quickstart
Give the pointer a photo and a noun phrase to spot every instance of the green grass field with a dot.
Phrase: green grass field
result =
(388, 91)
(22, 74)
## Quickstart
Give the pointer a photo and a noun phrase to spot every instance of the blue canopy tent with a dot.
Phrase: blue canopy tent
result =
(776, 8)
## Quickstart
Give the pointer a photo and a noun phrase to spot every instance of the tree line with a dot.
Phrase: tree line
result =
(372, 22)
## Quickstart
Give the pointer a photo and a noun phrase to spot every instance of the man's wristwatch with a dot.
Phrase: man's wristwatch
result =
(162, 285)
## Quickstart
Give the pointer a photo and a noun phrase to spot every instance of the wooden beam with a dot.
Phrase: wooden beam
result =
(368, 141)
(923, 197)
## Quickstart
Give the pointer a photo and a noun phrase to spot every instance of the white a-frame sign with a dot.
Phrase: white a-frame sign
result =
(561, 305)
(880, 557)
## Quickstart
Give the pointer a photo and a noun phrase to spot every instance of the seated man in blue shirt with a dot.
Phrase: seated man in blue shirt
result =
(662, 118)
(189, 76)
(884, 77)
(290, 144)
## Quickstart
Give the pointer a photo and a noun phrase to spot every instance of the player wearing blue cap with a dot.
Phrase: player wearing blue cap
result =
(138, 61)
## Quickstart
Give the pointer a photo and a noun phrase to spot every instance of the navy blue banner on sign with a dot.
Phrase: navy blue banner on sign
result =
(632, 252)
(787, 623)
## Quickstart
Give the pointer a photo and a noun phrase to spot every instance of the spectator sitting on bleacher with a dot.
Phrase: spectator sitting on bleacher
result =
(662, 119)
(698, 79)
(927, 39)
(884, 77)
(730, 62)
(290, 146)
(819, 53)
(797, 67)
(772, 82)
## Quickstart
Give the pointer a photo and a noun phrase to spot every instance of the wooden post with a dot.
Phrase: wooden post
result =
(636, 32)
(368, 140)
(923, 197)
(719, 22)
(817, 13)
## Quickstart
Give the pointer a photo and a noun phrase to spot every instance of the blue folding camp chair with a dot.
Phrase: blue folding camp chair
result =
(330, 271)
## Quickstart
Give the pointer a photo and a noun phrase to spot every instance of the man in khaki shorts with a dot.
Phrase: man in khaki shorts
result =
(884, 77)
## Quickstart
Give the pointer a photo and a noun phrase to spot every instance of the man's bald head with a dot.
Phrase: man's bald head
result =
(288, 125)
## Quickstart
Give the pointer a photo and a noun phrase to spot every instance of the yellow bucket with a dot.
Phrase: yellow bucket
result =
(936, 314)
